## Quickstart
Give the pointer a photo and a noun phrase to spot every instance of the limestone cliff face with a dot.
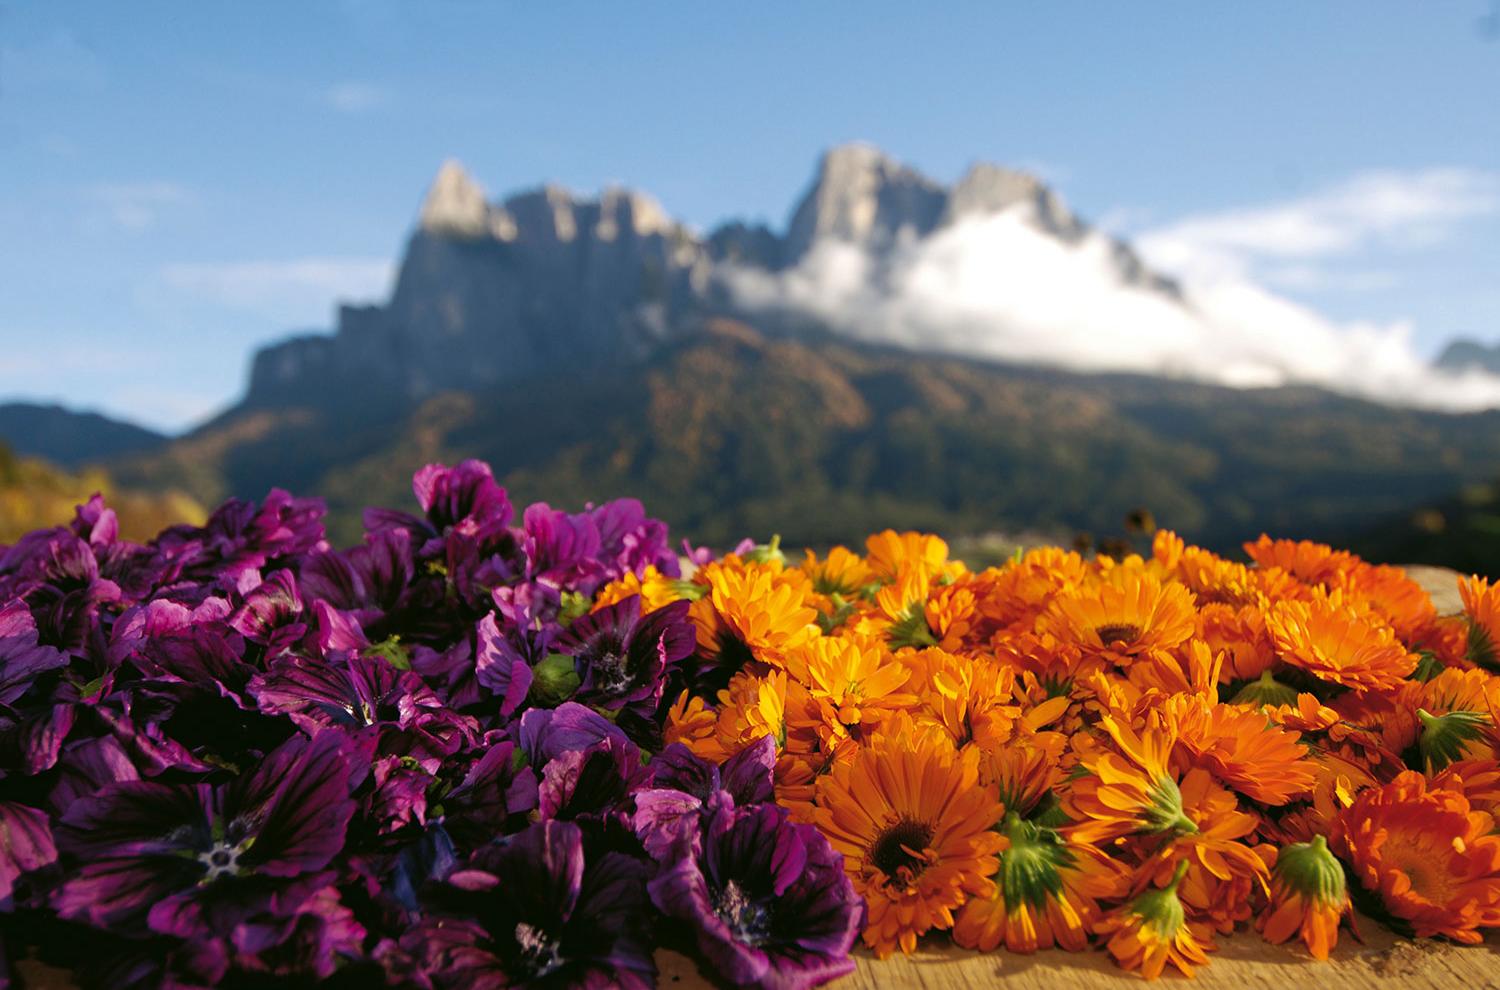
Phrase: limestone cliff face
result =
(492, 293)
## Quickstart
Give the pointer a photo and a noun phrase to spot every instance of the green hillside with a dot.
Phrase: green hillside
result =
(729, 432)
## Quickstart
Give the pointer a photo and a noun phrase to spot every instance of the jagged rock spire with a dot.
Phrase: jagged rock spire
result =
(455, 203)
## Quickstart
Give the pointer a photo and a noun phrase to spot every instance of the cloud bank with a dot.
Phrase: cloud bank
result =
(996, 286)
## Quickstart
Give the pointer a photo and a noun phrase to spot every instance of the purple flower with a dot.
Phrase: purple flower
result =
(684, 791)
(242, 536)
(568, 728)
(195, 859)
(95, 523)
(621, 658)
(68, 592)
(500, 666)
(272, 614)
(767, 900)
(562, 549)
(464, 500)
(630, 541)
(595, 783)
(372, 580)
(393, 711)
(493, 798)
(22, 660)
(531, 911)
(25, 845)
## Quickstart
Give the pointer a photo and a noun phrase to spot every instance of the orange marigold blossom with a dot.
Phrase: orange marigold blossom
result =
(916, 828)
(1152, 931)
(1314, 563)
(1128, 792)
(1243, 749)
(1124, 613)
(888, 553)
(1482, 612)
(1307, 897)
(855, 685)
(1059, 748)
(1339, 643)
(1433, 861)
(752, 613)
(1047, 893)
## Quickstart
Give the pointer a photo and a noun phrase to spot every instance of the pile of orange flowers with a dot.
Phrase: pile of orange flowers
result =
(1140, 754)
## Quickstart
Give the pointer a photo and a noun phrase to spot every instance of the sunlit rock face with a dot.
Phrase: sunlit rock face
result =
(493, 292)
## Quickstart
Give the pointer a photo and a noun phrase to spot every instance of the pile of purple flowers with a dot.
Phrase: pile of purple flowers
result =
(236, 756)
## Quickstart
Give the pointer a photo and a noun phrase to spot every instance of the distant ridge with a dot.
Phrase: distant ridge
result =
(69, 438)
(1465, 354)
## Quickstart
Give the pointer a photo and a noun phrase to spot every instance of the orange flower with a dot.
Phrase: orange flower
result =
(1240, 634)
(1393, 596)
(1482, 610)
(751, 613)
(889, 553)
(1047, 893)
(856, 685)
(1125, 613)
(842, 573)
(1244, 749)
(1477, 780)
(1128, 794)
(1307, 897)
(1433, 861)
(915, 826)
(1314, 563)
(692, 723)
(1153, 930)
(1338, 643)
(655, 588)
(1020, 590)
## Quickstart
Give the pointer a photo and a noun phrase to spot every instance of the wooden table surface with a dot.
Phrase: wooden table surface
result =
(1243, 961)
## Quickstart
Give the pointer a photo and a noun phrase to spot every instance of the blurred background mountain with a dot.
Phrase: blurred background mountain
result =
(593, 347)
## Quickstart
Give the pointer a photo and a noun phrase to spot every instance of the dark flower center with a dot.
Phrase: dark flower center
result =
(1118, 632)
(540, 953)
(749, 920)
(611, 671)
(890, 855)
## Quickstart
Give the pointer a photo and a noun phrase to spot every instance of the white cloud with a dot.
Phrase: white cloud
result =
(292, 290)
(138, 205)
(996, 286)
(354, 97)
(1399, 210)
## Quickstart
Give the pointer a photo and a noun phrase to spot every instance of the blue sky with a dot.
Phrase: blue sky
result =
(180, 183)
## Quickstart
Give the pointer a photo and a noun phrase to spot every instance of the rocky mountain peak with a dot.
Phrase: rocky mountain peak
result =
(455, 204)
(863, 196)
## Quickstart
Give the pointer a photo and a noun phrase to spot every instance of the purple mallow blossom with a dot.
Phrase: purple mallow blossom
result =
(533, 910)
(766, 899)
(622, 657)
(235, 755)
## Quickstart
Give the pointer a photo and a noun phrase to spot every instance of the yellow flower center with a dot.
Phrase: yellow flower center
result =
(1423, 866)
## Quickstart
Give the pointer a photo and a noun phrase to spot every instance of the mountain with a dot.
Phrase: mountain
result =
(1464, 354)
(69, 438)
(726, 431)
(748, 381)
(491, 293)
